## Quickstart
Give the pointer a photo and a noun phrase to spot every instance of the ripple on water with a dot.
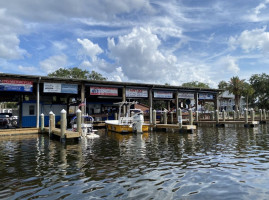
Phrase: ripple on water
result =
(225, 163)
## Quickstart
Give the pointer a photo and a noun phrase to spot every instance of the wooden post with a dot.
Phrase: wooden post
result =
(223, 115)
(238, 114)
(78, 113)
(252, 115)
(234, 115)
(50, 122)
(180, 121)
(190, 117)
(53, 121)
(63, 125)
(42, 122)
(217, 116)
(246, 117)
(154, 117)
(260, 114)
(165, 117)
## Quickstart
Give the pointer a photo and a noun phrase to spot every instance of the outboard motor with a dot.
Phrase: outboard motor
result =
(138, 120)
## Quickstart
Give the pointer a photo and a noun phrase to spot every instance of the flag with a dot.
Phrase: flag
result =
(81, 104)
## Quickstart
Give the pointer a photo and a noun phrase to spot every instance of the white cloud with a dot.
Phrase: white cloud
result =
(59, 45)
(227, 65)
(140, 58)
(65, 9)
(90, 49)
(53, 63)
(10, 42)
(256, 39)
(138, 55)
(33, 70)
(256, 14)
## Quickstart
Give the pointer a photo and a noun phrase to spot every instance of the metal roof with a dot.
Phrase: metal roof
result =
(36, 78)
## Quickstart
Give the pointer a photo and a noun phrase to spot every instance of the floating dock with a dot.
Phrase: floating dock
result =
(183, 129)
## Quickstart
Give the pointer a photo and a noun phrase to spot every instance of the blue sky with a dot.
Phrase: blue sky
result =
(148, 41)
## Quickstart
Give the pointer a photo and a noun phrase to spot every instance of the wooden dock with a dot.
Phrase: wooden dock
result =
(18, 131)
(183, 129)
(222, 123)
(68, 134)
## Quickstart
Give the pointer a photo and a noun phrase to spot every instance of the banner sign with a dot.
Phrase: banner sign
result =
(130, 92)
(106, 91)
(184, 95)
(60, 88)
(206, 96)
(163, 94)
(16, 85)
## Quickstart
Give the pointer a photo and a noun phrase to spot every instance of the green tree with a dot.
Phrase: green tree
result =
(248, 92)
(96, 76)
(77, 73)
(222, 85)
(236, 86)
(260, 84)
(196, 84)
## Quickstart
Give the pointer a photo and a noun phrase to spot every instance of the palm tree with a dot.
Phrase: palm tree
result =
(248, 91)
(236, 86)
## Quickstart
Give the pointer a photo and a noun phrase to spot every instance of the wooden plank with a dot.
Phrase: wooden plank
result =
(175, 126)
(68, 135)
(226, 122)
(21, 131)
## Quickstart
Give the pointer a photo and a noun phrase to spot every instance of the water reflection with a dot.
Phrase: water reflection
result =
(212, 163)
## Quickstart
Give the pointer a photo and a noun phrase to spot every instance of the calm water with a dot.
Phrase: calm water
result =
(224, 163)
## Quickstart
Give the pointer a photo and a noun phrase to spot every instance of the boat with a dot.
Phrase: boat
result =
(86, 126)
(131, 122)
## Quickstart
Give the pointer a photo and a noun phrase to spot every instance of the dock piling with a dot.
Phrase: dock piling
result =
(63, 125)
(78, 113)
(50, 122)
(154, 117)
(180, 122)
(223, 115)
(42, 122)
(190, 117)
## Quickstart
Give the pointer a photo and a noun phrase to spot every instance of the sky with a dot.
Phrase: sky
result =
(144, 41)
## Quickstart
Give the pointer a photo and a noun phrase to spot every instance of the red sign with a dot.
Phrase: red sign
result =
(106, 91)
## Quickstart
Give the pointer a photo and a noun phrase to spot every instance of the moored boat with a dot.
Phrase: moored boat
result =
(128, 123)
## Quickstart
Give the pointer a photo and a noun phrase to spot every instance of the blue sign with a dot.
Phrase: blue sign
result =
(69, 88)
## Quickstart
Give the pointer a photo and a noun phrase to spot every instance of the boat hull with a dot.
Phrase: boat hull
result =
(124, 128)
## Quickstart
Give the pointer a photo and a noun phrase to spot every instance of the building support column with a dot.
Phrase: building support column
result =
(82, 96)
(177, 105)
(150, 106)
(196, 100)
(216, 102)
(124, 100)
(37, 103)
